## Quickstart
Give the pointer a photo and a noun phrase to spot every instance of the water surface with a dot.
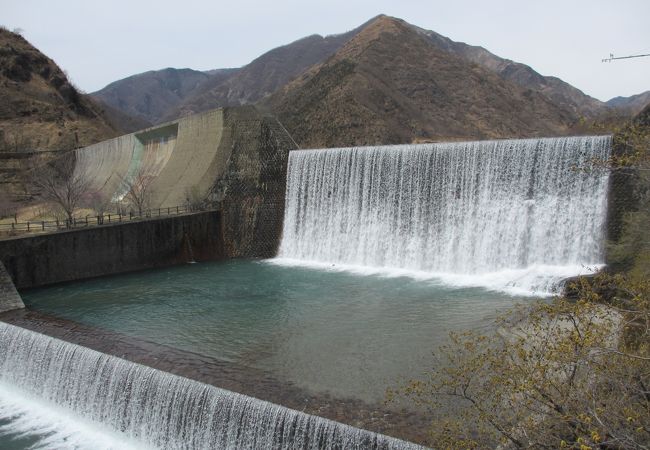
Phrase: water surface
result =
(338, 333)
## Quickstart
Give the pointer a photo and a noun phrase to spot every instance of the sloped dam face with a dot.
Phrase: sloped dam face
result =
(384, 251)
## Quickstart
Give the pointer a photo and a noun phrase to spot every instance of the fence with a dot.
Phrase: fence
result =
(42, 226)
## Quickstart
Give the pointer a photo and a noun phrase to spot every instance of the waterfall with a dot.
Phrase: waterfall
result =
(47, 384)
(512, 215)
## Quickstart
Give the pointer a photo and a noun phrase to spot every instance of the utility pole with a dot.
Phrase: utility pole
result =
(612, 57)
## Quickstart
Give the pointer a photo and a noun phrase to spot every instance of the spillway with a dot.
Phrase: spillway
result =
(70, 394)
(514, 215)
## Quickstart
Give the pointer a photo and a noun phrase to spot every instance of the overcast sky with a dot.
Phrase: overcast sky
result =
(98, 42)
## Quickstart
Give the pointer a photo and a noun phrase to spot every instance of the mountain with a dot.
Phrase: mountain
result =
(633, 104)
(151, 95)
(158, 96)
(560, 92)
(40, 108)
(121, 120)
(389, 84)
(264, 75)
(167, 94)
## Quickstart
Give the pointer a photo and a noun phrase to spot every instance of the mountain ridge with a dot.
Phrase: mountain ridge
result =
(272, 71)
(633, 104)
(151, 95)
(41, 109)
(523, 75)
(266, 73)
(389, 85)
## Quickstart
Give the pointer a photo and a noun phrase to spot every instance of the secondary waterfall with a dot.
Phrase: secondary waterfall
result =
(513, 215)
(69, 393)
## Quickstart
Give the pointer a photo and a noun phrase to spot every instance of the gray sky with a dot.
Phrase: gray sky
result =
(98, 42)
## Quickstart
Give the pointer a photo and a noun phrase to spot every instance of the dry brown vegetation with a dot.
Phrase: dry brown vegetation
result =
(389, 84)
(41, 109)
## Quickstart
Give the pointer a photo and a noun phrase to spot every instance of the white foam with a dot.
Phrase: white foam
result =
(63, 391)
(54, 426)
(533, 281)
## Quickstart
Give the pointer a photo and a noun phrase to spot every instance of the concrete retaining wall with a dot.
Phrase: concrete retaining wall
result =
(9, 298)
(253, 185)
(104, 250)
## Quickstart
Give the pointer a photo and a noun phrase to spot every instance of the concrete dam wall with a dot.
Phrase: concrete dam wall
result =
(178, 156)
(234, 157)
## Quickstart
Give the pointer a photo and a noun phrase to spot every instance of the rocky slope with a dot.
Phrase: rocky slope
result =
(264, 75)
(634, 104)
(40, 109)
(560, 92)
(389, 85)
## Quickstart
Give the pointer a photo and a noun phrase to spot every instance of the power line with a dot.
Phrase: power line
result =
(612, 57)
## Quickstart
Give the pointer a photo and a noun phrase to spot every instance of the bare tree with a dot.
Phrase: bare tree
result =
(137, 190)
(58, 183)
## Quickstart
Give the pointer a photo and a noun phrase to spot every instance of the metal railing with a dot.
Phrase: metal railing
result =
(44, 226)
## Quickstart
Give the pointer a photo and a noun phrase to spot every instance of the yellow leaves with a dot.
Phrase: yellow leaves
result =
(595, 437)
(584, 418)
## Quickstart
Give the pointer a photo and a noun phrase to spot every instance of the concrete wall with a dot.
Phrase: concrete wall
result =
(628, 204)
(9, 298)
(235, 156)
(104, 250)
(196, 161)
(254, 183)
(191, 152)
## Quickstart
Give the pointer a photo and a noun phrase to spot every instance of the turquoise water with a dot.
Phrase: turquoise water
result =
(328, 332)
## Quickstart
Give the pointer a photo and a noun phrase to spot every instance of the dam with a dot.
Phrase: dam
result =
(157, 409)
(383, 252)
(516, 215)
(235, 157)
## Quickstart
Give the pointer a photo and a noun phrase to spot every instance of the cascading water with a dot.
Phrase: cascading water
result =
(511, 215)
(69, 393)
